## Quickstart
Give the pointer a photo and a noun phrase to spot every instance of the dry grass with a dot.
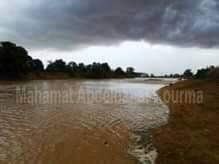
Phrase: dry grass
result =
(192, 134)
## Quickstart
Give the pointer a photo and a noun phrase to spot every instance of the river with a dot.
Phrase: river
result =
(79, 121)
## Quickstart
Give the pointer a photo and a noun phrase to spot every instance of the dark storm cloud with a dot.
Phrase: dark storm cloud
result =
(80, 23)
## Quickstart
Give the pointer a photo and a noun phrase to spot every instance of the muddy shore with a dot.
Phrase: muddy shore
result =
(192, 133)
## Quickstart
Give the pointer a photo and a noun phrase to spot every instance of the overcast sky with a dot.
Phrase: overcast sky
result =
(154, 36)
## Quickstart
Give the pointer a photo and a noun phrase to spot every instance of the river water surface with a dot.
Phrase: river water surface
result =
(102, 122)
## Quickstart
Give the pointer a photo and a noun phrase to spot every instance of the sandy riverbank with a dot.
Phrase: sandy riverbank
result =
(192, 134)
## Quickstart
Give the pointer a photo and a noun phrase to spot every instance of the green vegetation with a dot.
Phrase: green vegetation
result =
(211, 72)
(95, 70)
(188, 74)
(15, 63)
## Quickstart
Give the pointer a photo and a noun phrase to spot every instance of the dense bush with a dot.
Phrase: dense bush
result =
(14, 61)
(207, 73)
(210, 72)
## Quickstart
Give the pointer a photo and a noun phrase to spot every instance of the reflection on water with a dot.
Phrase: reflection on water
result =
(79, 133)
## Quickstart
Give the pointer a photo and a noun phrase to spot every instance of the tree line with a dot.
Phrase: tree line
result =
(210, 72)
(94, 70)
(16, 63)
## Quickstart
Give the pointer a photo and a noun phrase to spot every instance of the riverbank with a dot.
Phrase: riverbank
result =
(62, 76)
(67, 76)
(192, 133)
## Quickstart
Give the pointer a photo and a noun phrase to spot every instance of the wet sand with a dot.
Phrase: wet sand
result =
(191, 135)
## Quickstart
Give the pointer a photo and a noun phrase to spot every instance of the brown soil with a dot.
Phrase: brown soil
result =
(192, 134)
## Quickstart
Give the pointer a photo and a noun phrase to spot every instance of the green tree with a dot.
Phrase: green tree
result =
(152, 75)
(119, 71)
(57, 66)
(130, 70)
(14, 61)
(72, 67)
(81, 67)
(188, 74)
(37, 65)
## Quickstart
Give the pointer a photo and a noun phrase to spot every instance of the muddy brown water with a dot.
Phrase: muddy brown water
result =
(77, 121)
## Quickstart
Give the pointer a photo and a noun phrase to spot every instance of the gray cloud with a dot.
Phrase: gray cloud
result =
(80, 23)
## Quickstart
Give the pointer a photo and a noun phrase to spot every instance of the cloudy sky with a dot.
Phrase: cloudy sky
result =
(159, 36)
